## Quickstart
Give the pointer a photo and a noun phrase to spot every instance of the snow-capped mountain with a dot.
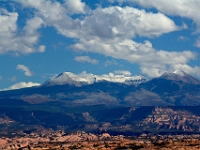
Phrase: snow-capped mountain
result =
(69, 78)
(176, 89)
(84, 79)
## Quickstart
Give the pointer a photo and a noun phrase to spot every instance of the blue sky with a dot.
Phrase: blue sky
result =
(39, 39)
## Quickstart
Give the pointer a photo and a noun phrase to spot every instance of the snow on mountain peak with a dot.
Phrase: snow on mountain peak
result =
(180, 72)
(68, 78)
(180, 75)
(175, 74)
(84, 78)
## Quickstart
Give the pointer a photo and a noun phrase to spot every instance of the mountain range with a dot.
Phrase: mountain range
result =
(170, 89)
(84, 79)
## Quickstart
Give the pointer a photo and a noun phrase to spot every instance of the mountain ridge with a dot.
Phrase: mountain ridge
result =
(170, 89)
(83, 79)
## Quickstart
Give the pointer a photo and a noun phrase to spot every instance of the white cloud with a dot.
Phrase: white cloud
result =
(56, 15)
(32, 25)
(141, 53)
(110, 31)
(86, 59)
(41, 48)
(152, 71)
(155, 70)
(75, 6)
(113, 24)
(183, 8)
(8, 27)
(191, 70)
(21, 85)
(8, 21)
(105, 23)
(136, 52)
(1, 78)
(26, 70)
(122, 72)
(11, 40)
(45, 8)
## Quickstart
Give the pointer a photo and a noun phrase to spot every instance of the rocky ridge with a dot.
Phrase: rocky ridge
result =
(172, 119)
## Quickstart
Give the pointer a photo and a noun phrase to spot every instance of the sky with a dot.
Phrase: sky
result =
(42, 38)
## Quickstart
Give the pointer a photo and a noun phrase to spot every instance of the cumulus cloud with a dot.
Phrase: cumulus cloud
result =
(86, 59)
(152, 62)
(8, 21)
(111, 31)
(11, 40)
(75, 6)
(26, 70)
(21, 85)
(113, 24)
(107, 23)
(183, 8)
(56, 15)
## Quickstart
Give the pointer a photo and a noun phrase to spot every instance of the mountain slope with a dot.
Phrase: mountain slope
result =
(178, 89)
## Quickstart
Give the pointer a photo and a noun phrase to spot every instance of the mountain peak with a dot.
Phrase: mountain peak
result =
(180, 75)
(68, 78)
